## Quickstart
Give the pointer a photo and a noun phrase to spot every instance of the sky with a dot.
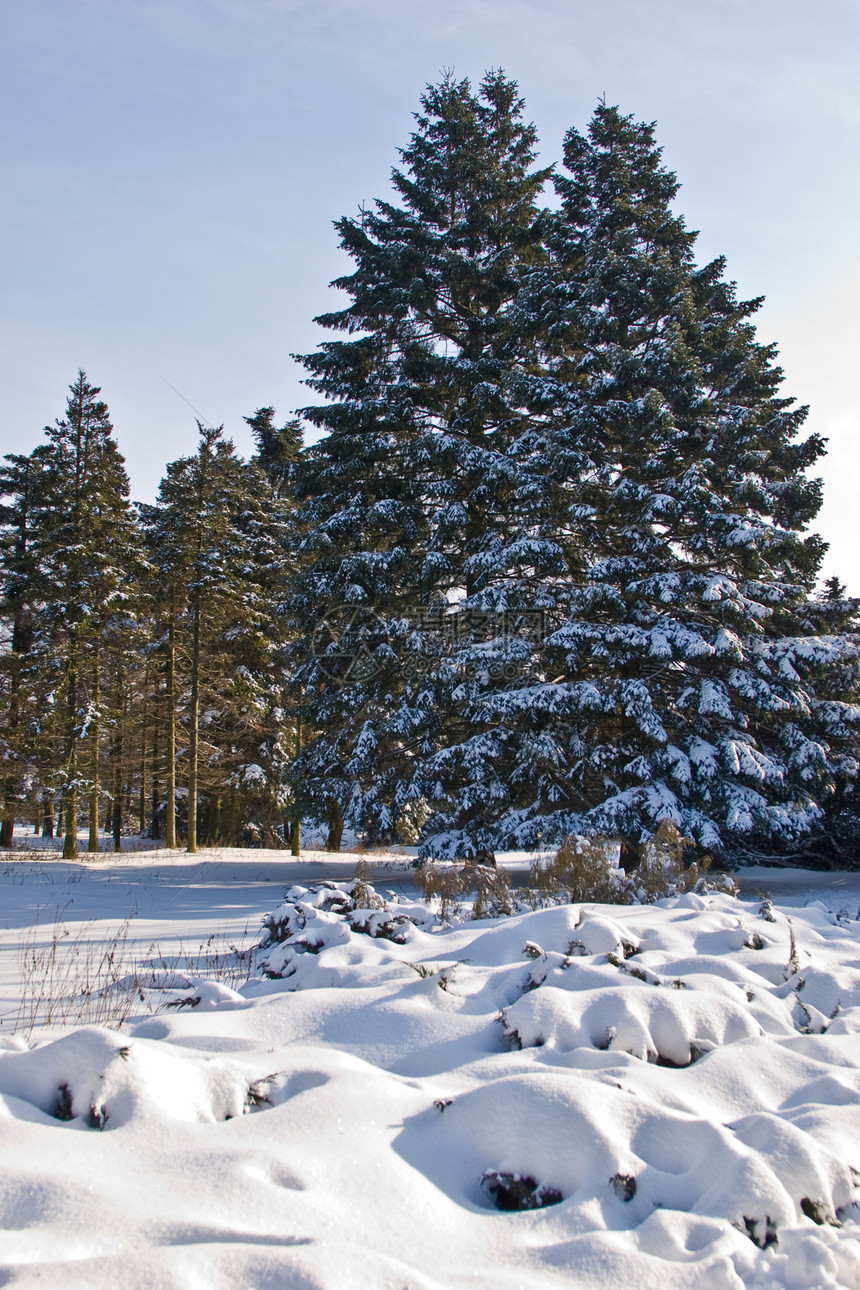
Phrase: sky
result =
(171, 170)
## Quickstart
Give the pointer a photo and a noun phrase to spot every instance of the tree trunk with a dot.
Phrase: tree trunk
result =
(116, 809)
(144, 751)
(70, 840)
(485, 857)
(631, 855)
(95, 737)
(47, 817)
(154, 830)
(7, 828)
(335, 829)
(230, 824)
(194, 725)
(119, 759)
(170, 733)
(116, 813)
(21, 643)
(70, 793)
(215, 822)
(296, 828)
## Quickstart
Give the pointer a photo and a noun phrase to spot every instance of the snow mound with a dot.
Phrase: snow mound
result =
(596, 1096)
(96, 1076)
(616, 1157)
(654, 1025)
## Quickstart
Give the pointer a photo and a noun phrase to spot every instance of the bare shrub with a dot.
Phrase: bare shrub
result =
(664, 873)
(492, 891)
(450, 884)
(211, 960)
(586, 869)
(582, 869)
(442, 882)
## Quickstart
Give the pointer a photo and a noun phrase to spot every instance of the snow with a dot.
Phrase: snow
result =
(684, 1076)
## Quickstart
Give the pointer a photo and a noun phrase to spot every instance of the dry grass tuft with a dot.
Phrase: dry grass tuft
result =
(76, 977)
(72, 980)
(663, 871)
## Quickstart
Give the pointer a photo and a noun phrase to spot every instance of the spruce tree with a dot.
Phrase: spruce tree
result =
(20, 605)
(278, 456)
(212, 540)
(86, 550)
(686, 684)
(278, 450)
(412, 485)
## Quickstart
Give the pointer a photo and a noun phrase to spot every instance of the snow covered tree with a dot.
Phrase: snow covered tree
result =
(213, 544)
(85, 551)
(278, 456)
(413, 483)
(19, 610)
(686, 683)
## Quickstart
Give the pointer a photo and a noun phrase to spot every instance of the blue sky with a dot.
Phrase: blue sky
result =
(171, 170)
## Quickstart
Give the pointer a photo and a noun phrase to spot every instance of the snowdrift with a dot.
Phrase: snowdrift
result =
(592, 1096)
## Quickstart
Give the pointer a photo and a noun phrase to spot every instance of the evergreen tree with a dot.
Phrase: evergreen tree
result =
(212, 541)
(686, 682)
(278, 450)
(278, 456)
(85, 550)
(20, 478)
(412, 483)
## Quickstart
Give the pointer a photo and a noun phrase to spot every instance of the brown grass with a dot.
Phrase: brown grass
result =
(73, 977)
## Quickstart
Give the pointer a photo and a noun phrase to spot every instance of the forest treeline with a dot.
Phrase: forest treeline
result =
(547, 570)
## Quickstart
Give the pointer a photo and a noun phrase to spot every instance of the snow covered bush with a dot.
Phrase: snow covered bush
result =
(513, 1193)
(361, 893)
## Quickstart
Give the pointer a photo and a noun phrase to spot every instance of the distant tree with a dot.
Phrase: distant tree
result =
(212, 540)
(85, 554)
(20, 478)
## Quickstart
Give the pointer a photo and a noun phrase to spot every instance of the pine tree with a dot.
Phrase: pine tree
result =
(412, 486)
(212, 541)
(686, 681)
(278, 455)
(20, 478)
(85, 549)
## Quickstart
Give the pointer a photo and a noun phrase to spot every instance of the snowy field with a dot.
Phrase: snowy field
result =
(588, 1096)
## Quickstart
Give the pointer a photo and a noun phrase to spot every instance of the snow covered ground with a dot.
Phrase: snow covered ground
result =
(660, 1096)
